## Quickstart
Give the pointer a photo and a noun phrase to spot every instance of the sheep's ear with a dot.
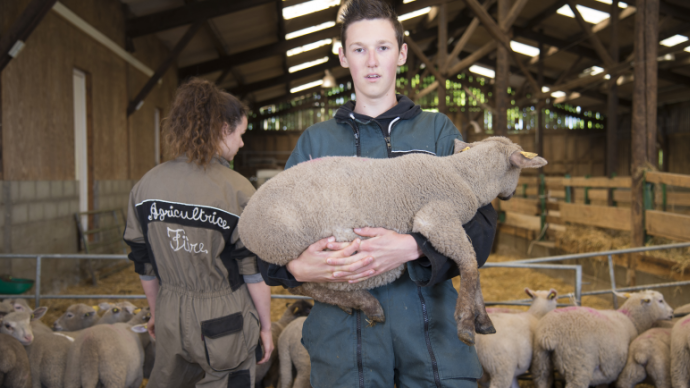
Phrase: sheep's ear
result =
(141, 329)
(89, 314)
(646, 301)
(95, 307)
(625, 295)
(460, 146)
(137, 310)
(552, 294)
(104, 306)
(39, 313)
(131, 309)
(295, 310)
(527, 160)
(529, 293)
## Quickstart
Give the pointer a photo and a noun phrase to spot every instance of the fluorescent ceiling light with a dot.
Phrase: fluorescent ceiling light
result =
(590, 15)
(307, 86)
(407, 1)
(594, 70)
(609, 2)
(482, 71)
(674, 40)
(309, 30)
(337, 44)
(308, 7)
(558, 94)
(414, 14)
(305, 65)
(687, 49)
(308, 47)
(524, 49)
(545, 89)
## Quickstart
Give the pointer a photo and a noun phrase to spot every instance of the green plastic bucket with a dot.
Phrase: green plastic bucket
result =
(14, 286)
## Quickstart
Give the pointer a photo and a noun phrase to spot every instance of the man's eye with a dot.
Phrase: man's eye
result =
(384, 48)
(359, 50)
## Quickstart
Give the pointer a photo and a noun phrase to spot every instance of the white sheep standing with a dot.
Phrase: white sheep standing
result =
(77, 316)
(420, 193)
(680, 353)
(14, 364)
(110, 354)
(293, 353)
(588, 346)
(268, 373)
(649, 354)
(508, 353)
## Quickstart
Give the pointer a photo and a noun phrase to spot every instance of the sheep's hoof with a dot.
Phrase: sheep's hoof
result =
(466, 336)
(371, 323)
(376, 315)
(483, 325)
(348, 310)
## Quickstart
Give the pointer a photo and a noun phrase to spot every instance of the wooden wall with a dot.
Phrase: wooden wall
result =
(37, 98)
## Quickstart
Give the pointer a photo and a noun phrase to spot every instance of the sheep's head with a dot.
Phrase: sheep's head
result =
(501, 152)
(78, 316)
(542, 301)
(120, 312)
(18, 324)
(649, 303)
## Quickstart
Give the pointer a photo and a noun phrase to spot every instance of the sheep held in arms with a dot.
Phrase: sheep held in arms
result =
(420, 193)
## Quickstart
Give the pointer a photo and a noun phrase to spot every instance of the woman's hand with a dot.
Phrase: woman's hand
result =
(329, 261)
(267, 343)
(388, 249)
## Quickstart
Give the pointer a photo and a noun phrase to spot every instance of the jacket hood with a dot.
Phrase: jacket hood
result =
(405, 109)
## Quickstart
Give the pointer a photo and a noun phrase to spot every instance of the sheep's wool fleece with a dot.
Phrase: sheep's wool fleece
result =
(331, 196)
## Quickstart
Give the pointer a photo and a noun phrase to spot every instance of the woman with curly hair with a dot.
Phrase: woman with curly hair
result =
(209, 304)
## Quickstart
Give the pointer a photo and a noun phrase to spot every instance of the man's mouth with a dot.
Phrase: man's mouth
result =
(373, 76)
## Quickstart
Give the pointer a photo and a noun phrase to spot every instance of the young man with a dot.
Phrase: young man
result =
(417, 346)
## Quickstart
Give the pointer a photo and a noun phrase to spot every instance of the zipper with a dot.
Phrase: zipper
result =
(355, 129)
(434, 364)
(360, 367)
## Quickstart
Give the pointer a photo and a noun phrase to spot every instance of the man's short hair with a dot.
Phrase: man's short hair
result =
(358, 10)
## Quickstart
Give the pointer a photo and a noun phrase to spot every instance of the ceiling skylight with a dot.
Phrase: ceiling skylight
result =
(590, 15)
(306, 86)
(524, 49)
(308, 7)
(305, 65)
(674, 40)
(308, 47)
(609, 2)
(482, 71)
(309, 30)
(414, 14)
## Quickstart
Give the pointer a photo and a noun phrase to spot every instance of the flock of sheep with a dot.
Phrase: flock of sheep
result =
(641, 340)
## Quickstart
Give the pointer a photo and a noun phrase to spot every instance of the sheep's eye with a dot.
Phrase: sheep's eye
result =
(7, 325)
(70, 315)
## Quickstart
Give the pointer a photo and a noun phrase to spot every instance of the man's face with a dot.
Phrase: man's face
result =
(371, 53)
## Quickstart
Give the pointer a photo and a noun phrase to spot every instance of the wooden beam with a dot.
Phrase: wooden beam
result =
(135, 104)
(601, 216)
(541, 16)
(612, 100)
(187, 14)
(442, 54)
(22, 28)
(598, 46)
(512, 15)
(651, 39)
(420, 54)
(466, 35)
(286, 78)
(668, 225)
(472, 58)
(666, 178)
(475, 98)
(501, 81)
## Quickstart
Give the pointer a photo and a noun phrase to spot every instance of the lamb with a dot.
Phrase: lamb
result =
(112, 354)
(588, 346)
(14, 363)
(680, 353)
(508, 354)
(78, 316)
(48, 359)
(649, 353)
(19, 304)
(20, 325)
(267, 374)
(292, 352)
(119, 312)
(5, 308)
(421, 193)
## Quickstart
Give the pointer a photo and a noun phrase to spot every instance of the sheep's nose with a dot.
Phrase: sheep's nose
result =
(28, 338)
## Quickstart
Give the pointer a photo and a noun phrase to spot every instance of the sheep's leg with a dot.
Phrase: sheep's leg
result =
(658, 369)
(542, 366)
(441, 224)
(356, 299)
(482, 322)
(632, 374)
(680, 363)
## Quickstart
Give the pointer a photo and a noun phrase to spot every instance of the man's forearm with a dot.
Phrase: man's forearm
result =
(151, 290)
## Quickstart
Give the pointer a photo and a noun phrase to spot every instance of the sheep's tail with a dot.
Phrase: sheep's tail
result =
(542, 365)
(89, 360)
(285, 364)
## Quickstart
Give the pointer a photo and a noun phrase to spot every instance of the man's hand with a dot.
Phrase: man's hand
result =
(388, 249)
(267, 342)
(151, 326)
(317, 263)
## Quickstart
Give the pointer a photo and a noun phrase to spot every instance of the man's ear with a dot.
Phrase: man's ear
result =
(342, 57)
(402, 56)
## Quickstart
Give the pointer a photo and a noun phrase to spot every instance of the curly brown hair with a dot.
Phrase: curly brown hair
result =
(195, 124)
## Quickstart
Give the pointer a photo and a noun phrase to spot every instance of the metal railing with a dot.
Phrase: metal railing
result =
(526, 263)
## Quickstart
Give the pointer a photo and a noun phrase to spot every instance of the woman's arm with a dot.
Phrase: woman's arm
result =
(261, 296)
(151, 290)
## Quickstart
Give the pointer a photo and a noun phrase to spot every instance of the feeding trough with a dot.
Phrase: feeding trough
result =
(13, 286)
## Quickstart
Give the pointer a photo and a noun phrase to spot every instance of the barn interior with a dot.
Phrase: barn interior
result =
(600, 88)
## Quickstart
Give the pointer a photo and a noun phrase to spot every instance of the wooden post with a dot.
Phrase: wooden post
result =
(638, 139)
(651, 41)
(20, 30)
(442, 54)
(612, 101)
(539, 130)
(502, 77)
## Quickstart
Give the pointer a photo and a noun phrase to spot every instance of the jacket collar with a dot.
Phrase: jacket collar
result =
(405, 109)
